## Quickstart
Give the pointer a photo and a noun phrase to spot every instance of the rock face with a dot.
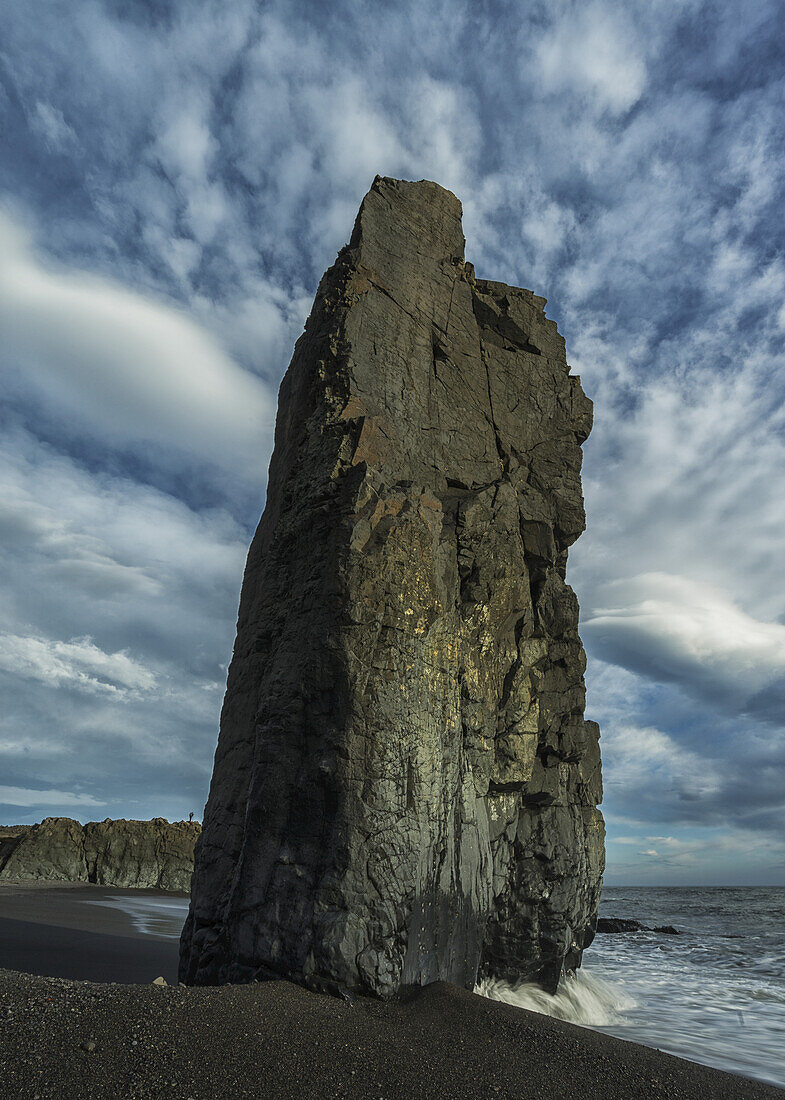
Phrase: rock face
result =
(139, 854)
(50, 852)
(405, 788)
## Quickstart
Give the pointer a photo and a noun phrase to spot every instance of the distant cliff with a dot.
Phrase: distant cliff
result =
(143, 855)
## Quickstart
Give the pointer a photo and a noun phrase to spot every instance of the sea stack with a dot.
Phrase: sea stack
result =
(405, 789)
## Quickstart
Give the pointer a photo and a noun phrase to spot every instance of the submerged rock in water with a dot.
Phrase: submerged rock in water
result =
(619, 924)
(405, 788)
(145, 855)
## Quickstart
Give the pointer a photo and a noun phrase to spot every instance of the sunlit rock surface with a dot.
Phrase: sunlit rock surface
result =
(405, 788)
(155, 854)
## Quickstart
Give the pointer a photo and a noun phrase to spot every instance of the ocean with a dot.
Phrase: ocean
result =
(714, 994)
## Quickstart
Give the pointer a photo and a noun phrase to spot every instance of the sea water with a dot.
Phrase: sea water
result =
(714, 994)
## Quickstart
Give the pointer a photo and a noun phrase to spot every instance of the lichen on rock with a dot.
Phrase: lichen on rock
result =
(405, 788)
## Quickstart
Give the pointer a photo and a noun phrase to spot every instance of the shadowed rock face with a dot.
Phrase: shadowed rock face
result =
(405, 787)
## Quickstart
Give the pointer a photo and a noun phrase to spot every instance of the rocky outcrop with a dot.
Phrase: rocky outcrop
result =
(50, 852)
(405, 788)
(617, 924)
(146, 855)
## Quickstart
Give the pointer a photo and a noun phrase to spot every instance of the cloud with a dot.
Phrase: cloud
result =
(626, 161)
(129, 369)
(115, 633)
(91, 553)
(21, 743)
(697, 858)
(77, 663)
(677, 774)
(185, 145)
(56, 132)
(678, 629)
(58, 800)
(645, 759)
(593, 50)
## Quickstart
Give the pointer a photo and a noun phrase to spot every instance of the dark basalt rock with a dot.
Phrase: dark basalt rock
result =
(405, 788)
(155, 854)
(618, 924)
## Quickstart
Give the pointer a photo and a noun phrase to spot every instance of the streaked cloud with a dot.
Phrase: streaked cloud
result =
(78, 663)
(678, 629)
(59, 800)
(126, 368)
(644, 759)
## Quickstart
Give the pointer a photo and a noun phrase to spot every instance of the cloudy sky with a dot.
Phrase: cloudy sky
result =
(175, 176)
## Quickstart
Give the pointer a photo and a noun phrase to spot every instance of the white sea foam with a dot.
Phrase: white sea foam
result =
(716, 992)
(153, 916)
(580, 999)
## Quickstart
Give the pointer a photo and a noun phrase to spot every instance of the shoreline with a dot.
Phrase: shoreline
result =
(278, 1039)
(77, 905)
(68, 930)
(84, 1040)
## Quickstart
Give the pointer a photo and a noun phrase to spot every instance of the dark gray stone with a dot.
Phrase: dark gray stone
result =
(405, 788)
(155, 854)
(609, 925)
(52, 851)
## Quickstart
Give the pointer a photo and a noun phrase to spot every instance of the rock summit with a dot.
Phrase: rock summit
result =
(405, 787)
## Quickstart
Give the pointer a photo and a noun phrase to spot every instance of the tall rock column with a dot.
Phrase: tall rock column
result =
(405, 787)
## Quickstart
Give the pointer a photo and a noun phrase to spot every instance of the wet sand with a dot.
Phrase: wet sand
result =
(70, 905)
(68, 1040)
(61, 931)
(70, 953)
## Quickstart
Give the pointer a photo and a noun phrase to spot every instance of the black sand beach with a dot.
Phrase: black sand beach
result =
(67, 1040)
(278, 1040)
(68, 953)
(59, 931)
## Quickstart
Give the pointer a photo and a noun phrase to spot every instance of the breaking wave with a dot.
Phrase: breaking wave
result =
(580, 999)
(715, 993)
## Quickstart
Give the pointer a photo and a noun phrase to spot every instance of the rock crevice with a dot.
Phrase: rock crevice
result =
(405, 788)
